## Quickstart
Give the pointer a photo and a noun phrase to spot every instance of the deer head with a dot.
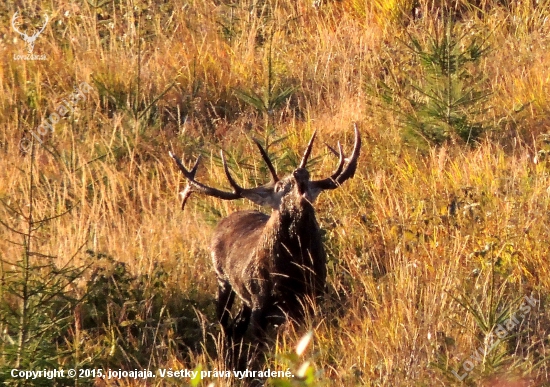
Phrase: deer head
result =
(29, 40)
(274, 263)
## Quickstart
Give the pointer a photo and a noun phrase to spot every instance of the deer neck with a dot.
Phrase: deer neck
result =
(292, 233)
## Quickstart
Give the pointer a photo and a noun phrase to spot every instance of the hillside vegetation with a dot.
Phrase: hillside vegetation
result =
(439, 242)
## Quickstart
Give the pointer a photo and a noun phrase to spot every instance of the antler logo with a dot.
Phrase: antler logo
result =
(29, 40)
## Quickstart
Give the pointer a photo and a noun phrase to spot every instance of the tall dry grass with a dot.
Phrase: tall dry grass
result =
(409, 239)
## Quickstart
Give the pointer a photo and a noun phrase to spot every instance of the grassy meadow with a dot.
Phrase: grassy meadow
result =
(432, 247)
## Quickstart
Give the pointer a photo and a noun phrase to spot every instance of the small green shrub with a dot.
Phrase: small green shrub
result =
(446, 103)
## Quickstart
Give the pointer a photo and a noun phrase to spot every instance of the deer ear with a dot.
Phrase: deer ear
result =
(263, 196)
(313, 191)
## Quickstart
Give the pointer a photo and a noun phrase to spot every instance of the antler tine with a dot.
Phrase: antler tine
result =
(43, 27)
(332, 149)
(195, 186)
(190, 175)
(14, 17)
(188, 190)
(274, 177)
(350, 168)
(341, 174)
(308, 151)
(341, 161)
(238, 190)
(185, 194)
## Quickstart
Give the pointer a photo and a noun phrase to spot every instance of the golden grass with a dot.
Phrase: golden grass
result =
(408, 236)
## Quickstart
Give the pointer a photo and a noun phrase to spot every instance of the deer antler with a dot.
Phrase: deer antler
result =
(274, 177)
(35, 35)
(341, 174)
(188, 190)
(308, 151)
(341, 162)
(14, 17)
(262, 195)
(195, 186)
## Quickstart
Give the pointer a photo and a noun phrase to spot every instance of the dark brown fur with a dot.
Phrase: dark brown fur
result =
(271, 263)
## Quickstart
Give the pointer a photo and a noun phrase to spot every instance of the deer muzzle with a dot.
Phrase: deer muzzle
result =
(301, 178)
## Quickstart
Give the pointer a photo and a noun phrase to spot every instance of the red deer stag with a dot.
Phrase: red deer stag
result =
(274, 263)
